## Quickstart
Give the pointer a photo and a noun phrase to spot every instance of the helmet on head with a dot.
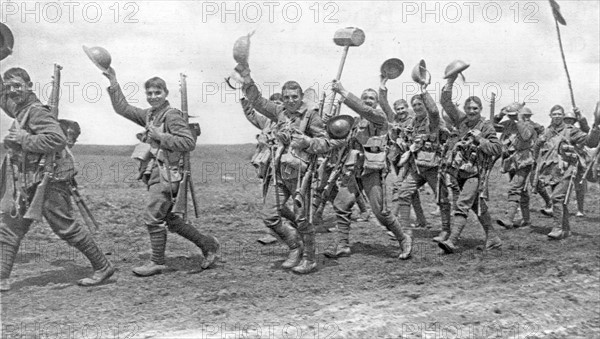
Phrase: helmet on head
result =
(514, 108)
(526, 111)
(340, 126)
(99, 56)
(570, 115)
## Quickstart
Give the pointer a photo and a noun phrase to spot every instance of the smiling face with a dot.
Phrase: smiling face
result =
(292, 99)
(369, 98)
(156, 96)
(473, 111)
(557, 117)
(18, 89)
(418, 107)
(401, 109)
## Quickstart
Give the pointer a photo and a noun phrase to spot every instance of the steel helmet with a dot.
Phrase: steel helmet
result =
(514, 108)
(340, 126)
(392, 68)
(241, 49)
(526, 111)
(454, 68)
(7, 41)
(419, 73)
(99, 56)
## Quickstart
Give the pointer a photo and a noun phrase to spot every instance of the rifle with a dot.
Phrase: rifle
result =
(492, 106)
(55, 96)
(85, 212)
(487, 164)
(571, 184)
(34, 212)
(302, 199)
(595, 159)
(180, 206)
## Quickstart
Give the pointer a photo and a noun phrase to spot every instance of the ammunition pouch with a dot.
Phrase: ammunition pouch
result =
(465, 158)
(375, 151)
(292, 165)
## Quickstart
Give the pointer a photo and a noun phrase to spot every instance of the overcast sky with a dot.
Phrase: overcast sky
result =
(512, 48)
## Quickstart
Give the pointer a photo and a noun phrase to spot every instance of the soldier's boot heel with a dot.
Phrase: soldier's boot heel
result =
(309, 262)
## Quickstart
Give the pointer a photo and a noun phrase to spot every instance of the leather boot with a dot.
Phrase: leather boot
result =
(158, 244)
(309, 262)
(445, 216)
(526, 221)
(208, 244)
(341, 247)
(492, 241)
(404, 240)
(561, 228)
(450, 245)
(7, 260)
(508, 220)
(291, 238)
(103, 269)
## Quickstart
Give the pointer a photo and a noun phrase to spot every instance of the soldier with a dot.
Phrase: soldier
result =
(471, 158)
(518, 138)
(368, 142)
(261, 160)
(166, 138)
(526, 114)
(301, 135)
(580, 185)
(421, 153)
(561, 148)
(36, 144)
(401, 121)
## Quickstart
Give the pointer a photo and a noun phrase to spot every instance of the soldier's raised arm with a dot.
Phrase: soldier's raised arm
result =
(373, 115)
(453, 112)
(383, 99)
(119, 102)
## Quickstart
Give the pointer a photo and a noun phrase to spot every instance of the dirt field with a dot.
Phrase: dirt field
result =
(533, 288)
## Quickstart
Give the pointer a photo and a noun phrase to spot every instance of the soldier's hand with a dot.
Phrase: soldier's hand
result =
(14, 137)
(337, 87)
(111, 75)
(154, 132)
(382, 81)
(300, 141)
(577, 112)
(475, 135)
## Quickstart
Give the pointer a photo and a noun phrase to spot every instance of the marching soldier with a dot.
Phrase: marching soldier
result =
(580, 185)
(166, 138)
(366, 164)
(36, 145)
(526, 114)
(561, 148)
(421, 153)
(401, 122)
(301, 135)
(471, 158)
(518, 138)
(261, 160)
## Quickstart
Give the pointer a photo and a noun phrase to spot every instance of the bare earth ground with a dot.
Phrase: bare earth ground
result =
(533, 288)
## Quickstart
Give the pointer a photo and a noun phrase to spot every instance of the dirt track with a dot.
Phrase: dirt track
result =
(533, 288)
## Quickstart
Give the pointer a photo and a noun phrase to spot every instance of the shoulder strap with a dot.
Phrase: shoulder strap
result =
(304, 121)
